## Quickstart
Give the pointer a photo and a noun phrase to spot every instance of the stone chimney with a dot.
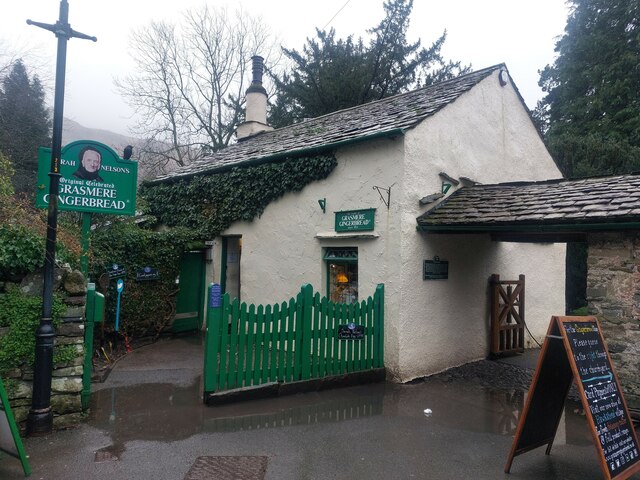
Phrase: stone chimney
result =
(256, 114)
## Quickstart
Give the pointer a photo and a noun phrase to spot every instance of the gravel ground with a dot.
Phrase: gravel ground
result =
(488, 373)
(493, 374)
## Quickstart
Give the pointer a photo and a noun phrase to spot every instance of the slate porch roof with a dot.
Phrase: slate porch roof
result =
(383, 118)
(582, 204)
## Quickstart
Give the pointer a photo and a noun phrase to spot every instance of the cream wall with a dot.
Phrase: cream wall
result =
(281, 251)
(430, 325)
(485, 135)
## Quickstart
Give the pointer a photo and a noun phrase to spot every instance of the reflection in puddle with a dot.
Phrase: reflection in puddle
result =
(509, 404)
(167, 412)
(337, 410)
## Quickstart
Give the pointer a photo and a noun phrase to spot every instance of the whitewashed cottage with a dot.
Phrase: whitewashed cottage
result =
(397, 158)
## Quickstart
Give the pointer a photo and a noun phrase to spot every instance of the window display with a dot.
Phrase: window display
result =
(342, 272)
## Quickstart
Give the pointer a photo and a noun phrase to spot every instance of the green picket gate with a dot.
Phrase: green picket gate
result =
(249, 345)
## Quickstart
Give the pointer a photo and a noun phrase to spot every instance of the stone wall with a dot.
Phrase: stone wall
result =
(613, 293)
(66, 384)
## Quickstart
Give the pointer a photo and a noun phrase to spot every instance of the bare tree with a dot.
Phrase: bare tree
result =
(189, 82)
(35, 60)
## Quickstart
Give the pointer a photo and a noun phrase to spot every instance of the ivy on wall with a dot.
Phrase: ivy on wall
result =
(20, 314)
(209, 204)
(146, 307)
(196, 208)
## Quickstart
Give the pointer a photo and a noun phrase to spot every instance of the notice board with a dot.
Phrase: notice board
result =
(575, 350)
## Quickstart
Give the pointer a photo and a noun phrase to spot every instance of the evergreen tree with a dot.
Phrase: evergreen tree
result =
(24, 124)
(591, 112)
(331, 74)
(590, 115)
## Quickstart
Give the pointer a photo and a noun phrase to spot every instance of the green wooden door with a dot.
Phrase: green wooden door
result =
(189, 305)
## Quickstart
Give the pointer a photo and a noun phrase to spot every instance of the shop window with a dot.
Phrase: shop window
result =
(342, 274)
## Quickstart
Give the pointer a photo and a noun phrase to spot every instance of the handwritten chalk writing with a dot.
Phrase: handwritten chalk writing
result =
(603, 397)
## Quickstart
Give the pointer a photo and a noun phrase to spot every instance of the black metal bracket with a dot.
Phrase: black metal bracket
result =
(386, 201)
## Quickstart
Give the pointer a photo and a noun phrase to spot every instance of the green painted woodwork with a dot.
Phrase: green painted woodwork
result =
(296, 340)
(10, 427)
(190, 301)
(540, 228)
(223, 265)
(85, 243)
(94, 313)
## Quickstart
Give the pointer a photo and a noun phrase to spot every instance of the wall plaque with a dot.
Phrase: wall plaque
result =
(435, 269)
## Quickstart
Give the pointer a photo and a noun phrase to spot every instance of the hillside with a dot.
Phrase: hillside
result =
(72, 131)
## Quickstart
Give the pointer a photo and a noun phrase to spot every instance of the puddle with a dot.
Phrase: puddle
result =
(167, 412)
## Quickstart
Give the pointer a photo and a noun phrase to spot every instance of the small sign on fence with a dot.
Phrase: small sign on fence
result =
(351, 331)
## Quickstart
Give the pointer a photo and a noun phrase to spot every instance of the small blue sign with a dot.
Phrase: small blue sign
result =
(119, 288)
(214, 295)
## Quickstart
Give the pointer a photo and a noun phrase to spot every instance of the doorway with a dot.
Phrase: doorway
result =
(230, 268)
(190, 301)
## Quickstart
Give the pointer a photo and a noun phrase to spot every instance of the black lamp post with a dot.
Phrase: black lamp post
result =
(40, 419)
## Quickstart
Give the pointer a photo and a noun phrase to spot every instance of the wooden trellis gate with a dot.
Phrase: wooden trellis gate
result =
(507, 315)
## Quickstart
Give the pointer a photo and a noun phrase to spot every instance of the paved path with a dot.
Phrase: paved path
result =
(148, 422)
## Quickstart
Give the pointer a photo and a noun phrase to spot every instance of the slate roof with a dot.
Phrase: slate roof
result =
(386, 117)
(587, 201)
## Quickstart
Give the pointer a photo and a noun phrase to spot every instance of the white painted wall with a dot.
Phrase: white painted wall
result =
(485, 135)
(280, 251)
(430, 325)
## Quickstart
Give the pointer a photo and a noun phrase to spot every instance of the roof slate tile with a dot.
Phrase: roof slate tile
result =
(587, 200)
(386, 117)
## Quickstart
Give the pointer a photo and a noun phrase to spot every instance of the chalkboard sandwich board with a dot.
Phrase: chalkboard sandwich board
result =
(574, 350)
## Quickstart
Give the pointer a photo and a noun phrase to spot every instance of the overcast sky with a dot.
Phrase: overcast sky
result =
(520, 33)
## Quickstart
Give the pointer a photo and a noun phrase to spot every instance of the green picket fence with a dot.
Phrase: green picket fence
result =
(296, 340)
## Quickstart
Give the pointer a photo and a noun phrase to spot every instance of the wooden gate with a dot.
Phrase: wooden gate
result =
(305, 338)
(507, 315)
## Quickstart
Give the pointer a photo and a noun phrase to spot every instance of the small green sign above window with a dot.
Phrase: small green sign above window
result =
(355, 220)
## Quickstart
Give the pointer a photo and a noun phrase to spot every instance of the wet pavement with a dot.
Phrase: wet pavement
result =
(147, 421)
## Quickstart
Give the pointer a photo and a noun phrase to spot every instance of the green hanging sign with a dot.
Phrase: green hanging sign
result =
(10, 441)
(93, 179)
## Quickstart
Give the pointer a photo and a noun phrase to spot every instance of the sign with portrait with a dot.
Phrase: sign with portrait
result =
(93, 179)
